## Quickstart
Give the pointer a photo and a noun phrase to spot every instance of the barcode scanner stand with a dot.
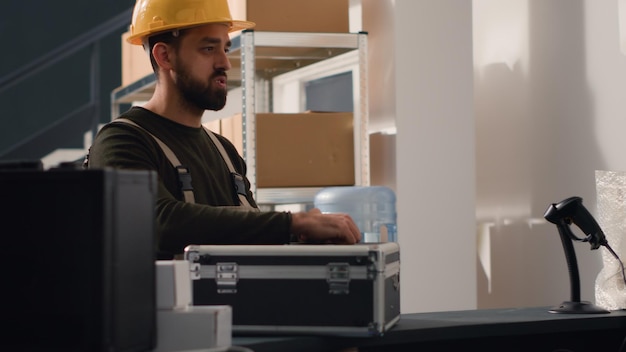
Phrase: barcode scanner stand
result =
(563, 214)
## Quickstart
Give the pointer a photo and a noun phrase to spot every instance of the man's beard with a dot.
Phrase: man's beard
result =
(199, 94)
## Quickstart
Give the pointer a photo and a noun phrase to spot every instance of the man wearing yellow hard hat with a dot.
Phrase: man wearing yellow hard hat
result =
(203, 195)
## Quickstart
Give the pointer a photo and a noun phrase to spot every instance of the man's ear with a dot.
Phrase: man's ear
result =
(162, 55)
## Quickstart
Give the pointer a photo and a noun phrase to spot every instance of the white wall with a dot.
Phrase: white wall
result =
(502, 107)
(547, 109)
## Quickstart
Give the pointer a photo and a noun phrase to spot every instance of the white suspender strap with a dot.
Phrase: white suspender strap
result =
(183, 172)
(239, 183)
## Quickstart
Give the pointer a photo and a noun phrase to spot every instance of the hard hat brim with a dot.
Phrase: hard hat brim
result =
(235, 25)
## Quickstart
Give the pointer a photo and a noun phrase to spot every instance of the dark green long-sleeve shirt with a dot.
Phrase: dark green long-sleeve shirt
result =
(212, 219)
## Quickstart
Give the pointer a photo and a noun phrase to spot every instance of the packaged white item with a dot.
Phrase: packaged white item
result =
(173, 284)
(194, 327)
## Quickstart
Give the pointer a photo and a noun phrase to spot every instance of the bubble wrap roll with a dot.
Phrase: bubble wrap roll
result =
(611, 209)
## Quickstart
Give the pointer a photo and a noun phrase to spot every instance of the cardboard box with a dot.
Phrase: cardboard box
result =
(135, 62)
(383, 159)
(299, 150)
(326, 16)
(213, 125)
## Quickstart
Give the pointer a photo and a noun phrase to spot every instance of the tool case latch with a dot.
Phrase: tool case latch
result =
(194, 271)
(338, 278)
(194, 268)
(226, 277)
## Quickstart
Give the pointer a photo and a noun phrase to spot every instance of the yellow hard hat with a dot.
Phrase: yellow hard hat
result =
(154, 16)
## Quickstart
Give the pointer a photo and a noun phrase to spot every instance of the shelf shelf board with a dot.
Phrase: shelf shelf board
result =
(275, 53)
(286, 195)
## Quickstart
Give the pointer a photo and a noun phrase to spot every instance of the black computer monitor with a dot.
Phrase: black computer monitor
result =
(78, 260)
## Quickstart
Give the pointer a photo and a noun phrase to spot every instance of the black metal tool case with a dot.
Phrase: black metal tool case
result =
(342, 290)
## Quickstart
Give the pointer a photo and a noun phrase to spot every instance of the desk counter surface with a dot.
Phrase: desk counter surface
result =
(514, 329)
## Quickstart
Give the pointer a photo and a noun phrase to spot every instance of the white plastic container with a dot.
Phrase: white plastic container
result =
(373, 209)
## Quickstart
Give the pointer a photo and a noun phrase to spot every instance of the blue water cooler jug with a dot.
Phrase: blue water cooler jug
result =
(373, 209)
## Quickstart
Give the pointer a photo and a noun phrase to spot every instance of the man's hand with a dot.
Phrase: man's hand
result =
(315, 227)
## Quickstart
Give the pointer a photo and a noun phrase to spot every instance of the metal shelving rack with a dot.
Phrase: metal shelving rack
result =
(257, 57)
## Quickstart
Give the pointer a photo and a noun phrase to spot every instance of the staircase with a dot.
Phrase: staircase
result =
(63, 155)
(62, 137)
